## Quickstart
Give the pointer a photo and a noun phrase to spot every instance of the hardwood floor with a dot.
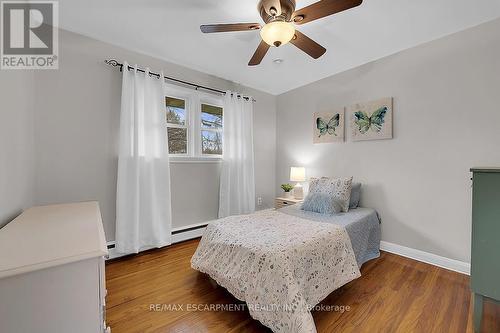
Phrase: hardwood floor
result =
(394, 294)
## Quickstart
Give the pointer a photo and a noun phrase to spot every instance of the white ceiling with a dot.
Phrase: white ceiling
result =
(169, 29)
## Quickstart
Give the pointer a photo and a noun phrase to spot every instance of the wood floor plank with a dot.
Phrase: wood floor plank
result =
(394, 294)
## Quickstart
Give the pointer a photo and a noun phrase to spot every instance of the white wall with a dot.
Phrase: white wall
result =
(16, 143)
(446, 120)
(76, 116)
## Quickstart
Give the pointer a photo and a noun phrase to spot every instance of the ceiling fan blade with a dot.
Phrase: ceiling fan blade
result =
(323, 8)
(210, 28)
(259, 54)
(269, 5)
(307, 45)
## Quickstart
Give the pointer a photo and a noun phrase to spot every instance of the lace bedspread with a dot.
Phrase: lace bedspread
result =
(280, 265)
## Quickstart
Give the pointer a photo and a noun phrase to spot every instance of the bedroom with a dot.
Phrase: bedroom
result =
(77, 187)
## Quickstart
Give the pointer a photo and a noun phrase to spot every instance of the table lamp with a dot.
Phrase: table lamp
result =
(298, 174)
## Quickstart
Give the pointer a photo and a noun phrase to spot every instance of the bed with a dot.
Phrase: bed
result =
(362, 226)
(284, 262)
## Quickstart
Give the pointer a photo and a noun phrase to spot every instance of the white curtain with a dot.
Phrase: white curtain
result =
(237, 183)
(143, 207)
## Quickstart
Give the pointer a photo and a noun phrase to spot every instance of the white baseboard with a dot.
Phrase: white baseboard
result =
(176, 238)
(429, 258)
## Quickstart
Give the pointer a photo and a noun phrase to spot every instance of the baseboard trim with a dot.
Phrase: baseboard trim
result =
(429, 258)
(177, 237)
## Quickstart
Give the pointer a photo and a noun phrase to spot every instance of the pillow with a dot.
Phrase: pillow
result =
(355, 195)
(339, 189)
(321, 203)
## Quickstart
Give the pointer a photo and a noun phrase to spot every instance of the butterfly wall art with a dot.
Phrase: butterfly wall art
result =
(328, 127)
(371, 120)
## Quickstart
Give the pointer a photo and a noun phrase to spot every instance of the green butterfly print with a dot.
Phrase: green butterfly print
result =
(329, 127)
(375, 121)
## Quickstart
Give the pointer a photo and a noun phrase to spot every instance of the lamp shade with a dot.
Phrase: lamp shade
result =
(277, 33)
(297, 174)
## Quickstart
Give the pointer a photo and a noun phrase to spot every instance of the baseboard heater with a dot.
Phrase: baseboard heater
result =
(179, 231)
(178, 235)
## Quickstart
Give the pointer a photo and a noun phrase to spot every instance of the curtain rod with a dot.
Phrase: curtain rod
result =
(115, 63)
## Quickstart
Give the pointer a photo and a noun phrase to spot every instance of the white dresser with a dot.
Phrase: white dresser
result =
(52, 271)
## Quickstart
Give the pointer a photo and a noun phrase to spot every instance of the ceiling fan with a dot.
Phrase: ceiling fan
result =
(279, 17)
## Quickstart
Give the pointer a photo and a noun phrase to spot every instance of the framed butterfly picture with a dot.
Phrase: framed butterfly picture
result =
(371, 120)
(328, 126)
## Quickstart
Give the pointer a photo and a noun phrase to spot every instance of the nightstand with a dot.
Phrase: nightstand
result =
(283, 202)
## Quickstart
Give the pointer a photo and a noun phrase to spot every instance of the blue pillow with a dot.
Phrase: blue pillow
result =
(355, 195)
(321, 203)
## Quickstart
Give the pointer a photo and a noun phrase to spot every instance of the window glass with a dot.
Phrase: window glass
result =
(176, 111)
(177, 140)
(211, 116)
(211, 142)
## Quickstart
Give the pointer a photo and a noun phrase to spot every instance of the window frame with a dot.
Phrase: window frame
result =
(193, 101)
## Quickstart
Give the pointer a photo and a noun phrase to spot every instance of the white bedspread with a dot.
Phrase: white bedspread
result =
(280, 265)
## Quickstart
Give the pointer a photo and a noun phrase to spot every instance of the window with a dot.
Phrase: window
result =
(194, 124)
(177, 126)
(211, 129)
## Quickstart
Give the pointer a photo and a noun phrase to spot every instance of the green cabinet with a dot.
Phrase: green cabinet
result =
(485, 256)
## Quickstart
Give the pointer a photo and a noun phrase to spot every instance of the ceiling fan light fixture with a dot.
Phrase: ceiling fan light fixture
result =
(277, 33)
(280, 17)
